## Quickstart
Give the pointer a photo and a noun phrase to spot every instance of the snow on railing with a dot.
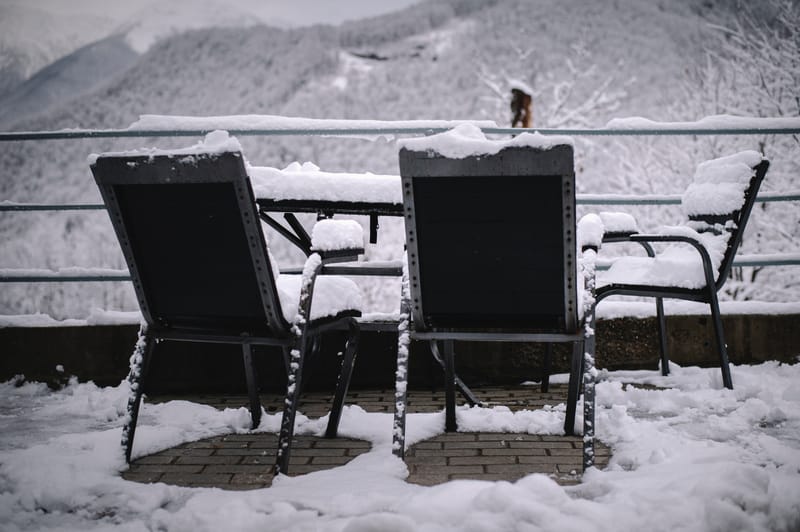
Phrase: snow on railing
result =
(266, 125)
(580, 199)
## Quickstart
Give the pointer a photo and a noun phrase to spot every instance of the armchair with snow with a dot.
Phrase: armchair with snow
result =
(492, 256)
(190, 233)
(698, 253)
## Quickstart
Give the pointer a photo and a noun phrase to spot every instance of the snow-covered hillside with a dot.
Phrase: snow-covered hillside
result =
(67, 78)
(35, 34)
(31, 39)
(442, 59)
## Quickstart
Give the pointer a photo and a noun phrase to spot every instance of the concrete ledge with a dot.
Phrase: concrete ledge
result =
(100, 354)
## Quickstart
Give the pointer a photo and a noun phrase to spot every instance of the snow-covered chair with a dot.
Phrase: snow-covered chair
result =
(699, 253)
(191, 236)
(492, 256)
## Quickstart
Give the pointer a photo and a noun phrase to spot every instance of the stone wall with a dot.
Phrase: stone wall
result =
(100, 354)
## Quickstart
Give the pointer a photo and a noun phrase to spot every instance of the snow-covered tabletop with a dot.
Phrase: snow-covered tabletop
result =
(307, 182)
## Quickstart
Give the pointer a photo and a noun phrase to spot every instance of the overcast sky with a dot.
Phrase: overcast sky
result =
(294, 12)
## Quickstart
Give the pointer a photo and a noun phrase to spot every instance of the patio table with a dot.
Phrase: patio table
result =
(305, 189)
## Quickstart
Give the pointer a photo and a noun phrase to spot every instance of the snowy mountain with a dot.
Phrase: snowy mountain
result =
(67, 78)
(159, 20)
(31, 39)
(442, 59)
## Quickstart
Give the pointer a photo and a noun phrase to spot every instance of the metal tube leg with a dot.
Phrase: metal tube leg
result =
(343, 383)
(401, 375)
(588, 267)
(662, 336)
(290, 408)
(300, 349)
(462, 388)
(139, 363)
(574, 389)
(252, 386)
(588, 402)
(450, 424)
(287, 359)
(546, 367)
(720, 338)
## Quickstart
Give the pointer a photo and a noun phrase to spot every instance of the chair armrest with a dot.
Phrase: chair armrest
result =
(670, 233)
(590, 232)
(337, 240)
(617, 225)
(708, 269)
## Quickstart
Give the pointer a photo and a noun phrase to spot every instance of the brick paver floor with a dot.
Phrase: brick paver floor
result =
(244, 461)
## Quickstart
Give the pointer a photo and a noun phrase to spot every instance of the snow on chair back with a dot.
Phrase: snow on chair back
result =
(720, 199)
(491, 239)
(192, 241)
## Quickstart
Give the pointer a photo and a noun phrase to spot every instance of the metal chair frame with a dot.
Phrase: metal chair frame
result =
(714, 280)
(296, 339)
(417, 324)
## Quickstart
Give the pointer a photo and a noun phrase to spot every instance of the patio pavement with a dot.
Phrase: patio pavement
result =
(244, 461)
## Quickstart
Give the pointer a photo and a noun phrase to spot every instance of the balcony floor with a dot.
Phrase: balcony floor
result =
(244, 461)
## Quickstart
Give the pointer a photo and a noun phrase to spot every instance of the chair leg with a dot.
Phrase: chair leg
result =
(587, 357)
(301, 345)
(290, 407)
(139, 364)
(287, 359)
(252, 386)
(574, 389)
(588, 398)
(450, 423)
(662, 336)
(546, 367)
(343, 383)
(719, 334)
(401, 375)
(463, 389)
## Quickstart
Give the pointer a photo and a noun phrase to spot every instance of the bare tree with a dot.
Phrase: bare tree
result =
(752, 68)
(560, 101)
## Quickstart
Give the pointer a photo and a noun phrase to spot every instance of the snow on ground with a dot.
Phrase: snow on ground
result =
(688, 456)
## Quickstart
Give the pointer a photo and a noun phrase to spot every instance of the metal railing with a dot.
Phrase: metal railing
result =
(355, 129)
(337, 130)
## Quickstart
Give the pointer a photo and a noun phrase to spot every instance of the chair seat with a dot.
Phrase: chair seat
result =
(677, 265)
(333, 295)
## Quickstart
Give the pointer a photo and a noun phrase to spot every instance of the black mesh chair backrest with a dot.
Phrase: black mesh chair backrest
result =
(733, 222)
(191, 237)
(491, 240)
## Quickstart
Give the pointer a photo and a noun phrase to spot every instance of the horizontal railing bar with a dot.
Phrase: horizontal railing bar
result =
(766, 197)
(776, 259)
(20, 276)
(63, 275)
(740, 261)
(128, 133)
(645, 132)
(12, 207)
(63, 279)
(580, 199)
(669, 199)
(377, 131)
(621, 199)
